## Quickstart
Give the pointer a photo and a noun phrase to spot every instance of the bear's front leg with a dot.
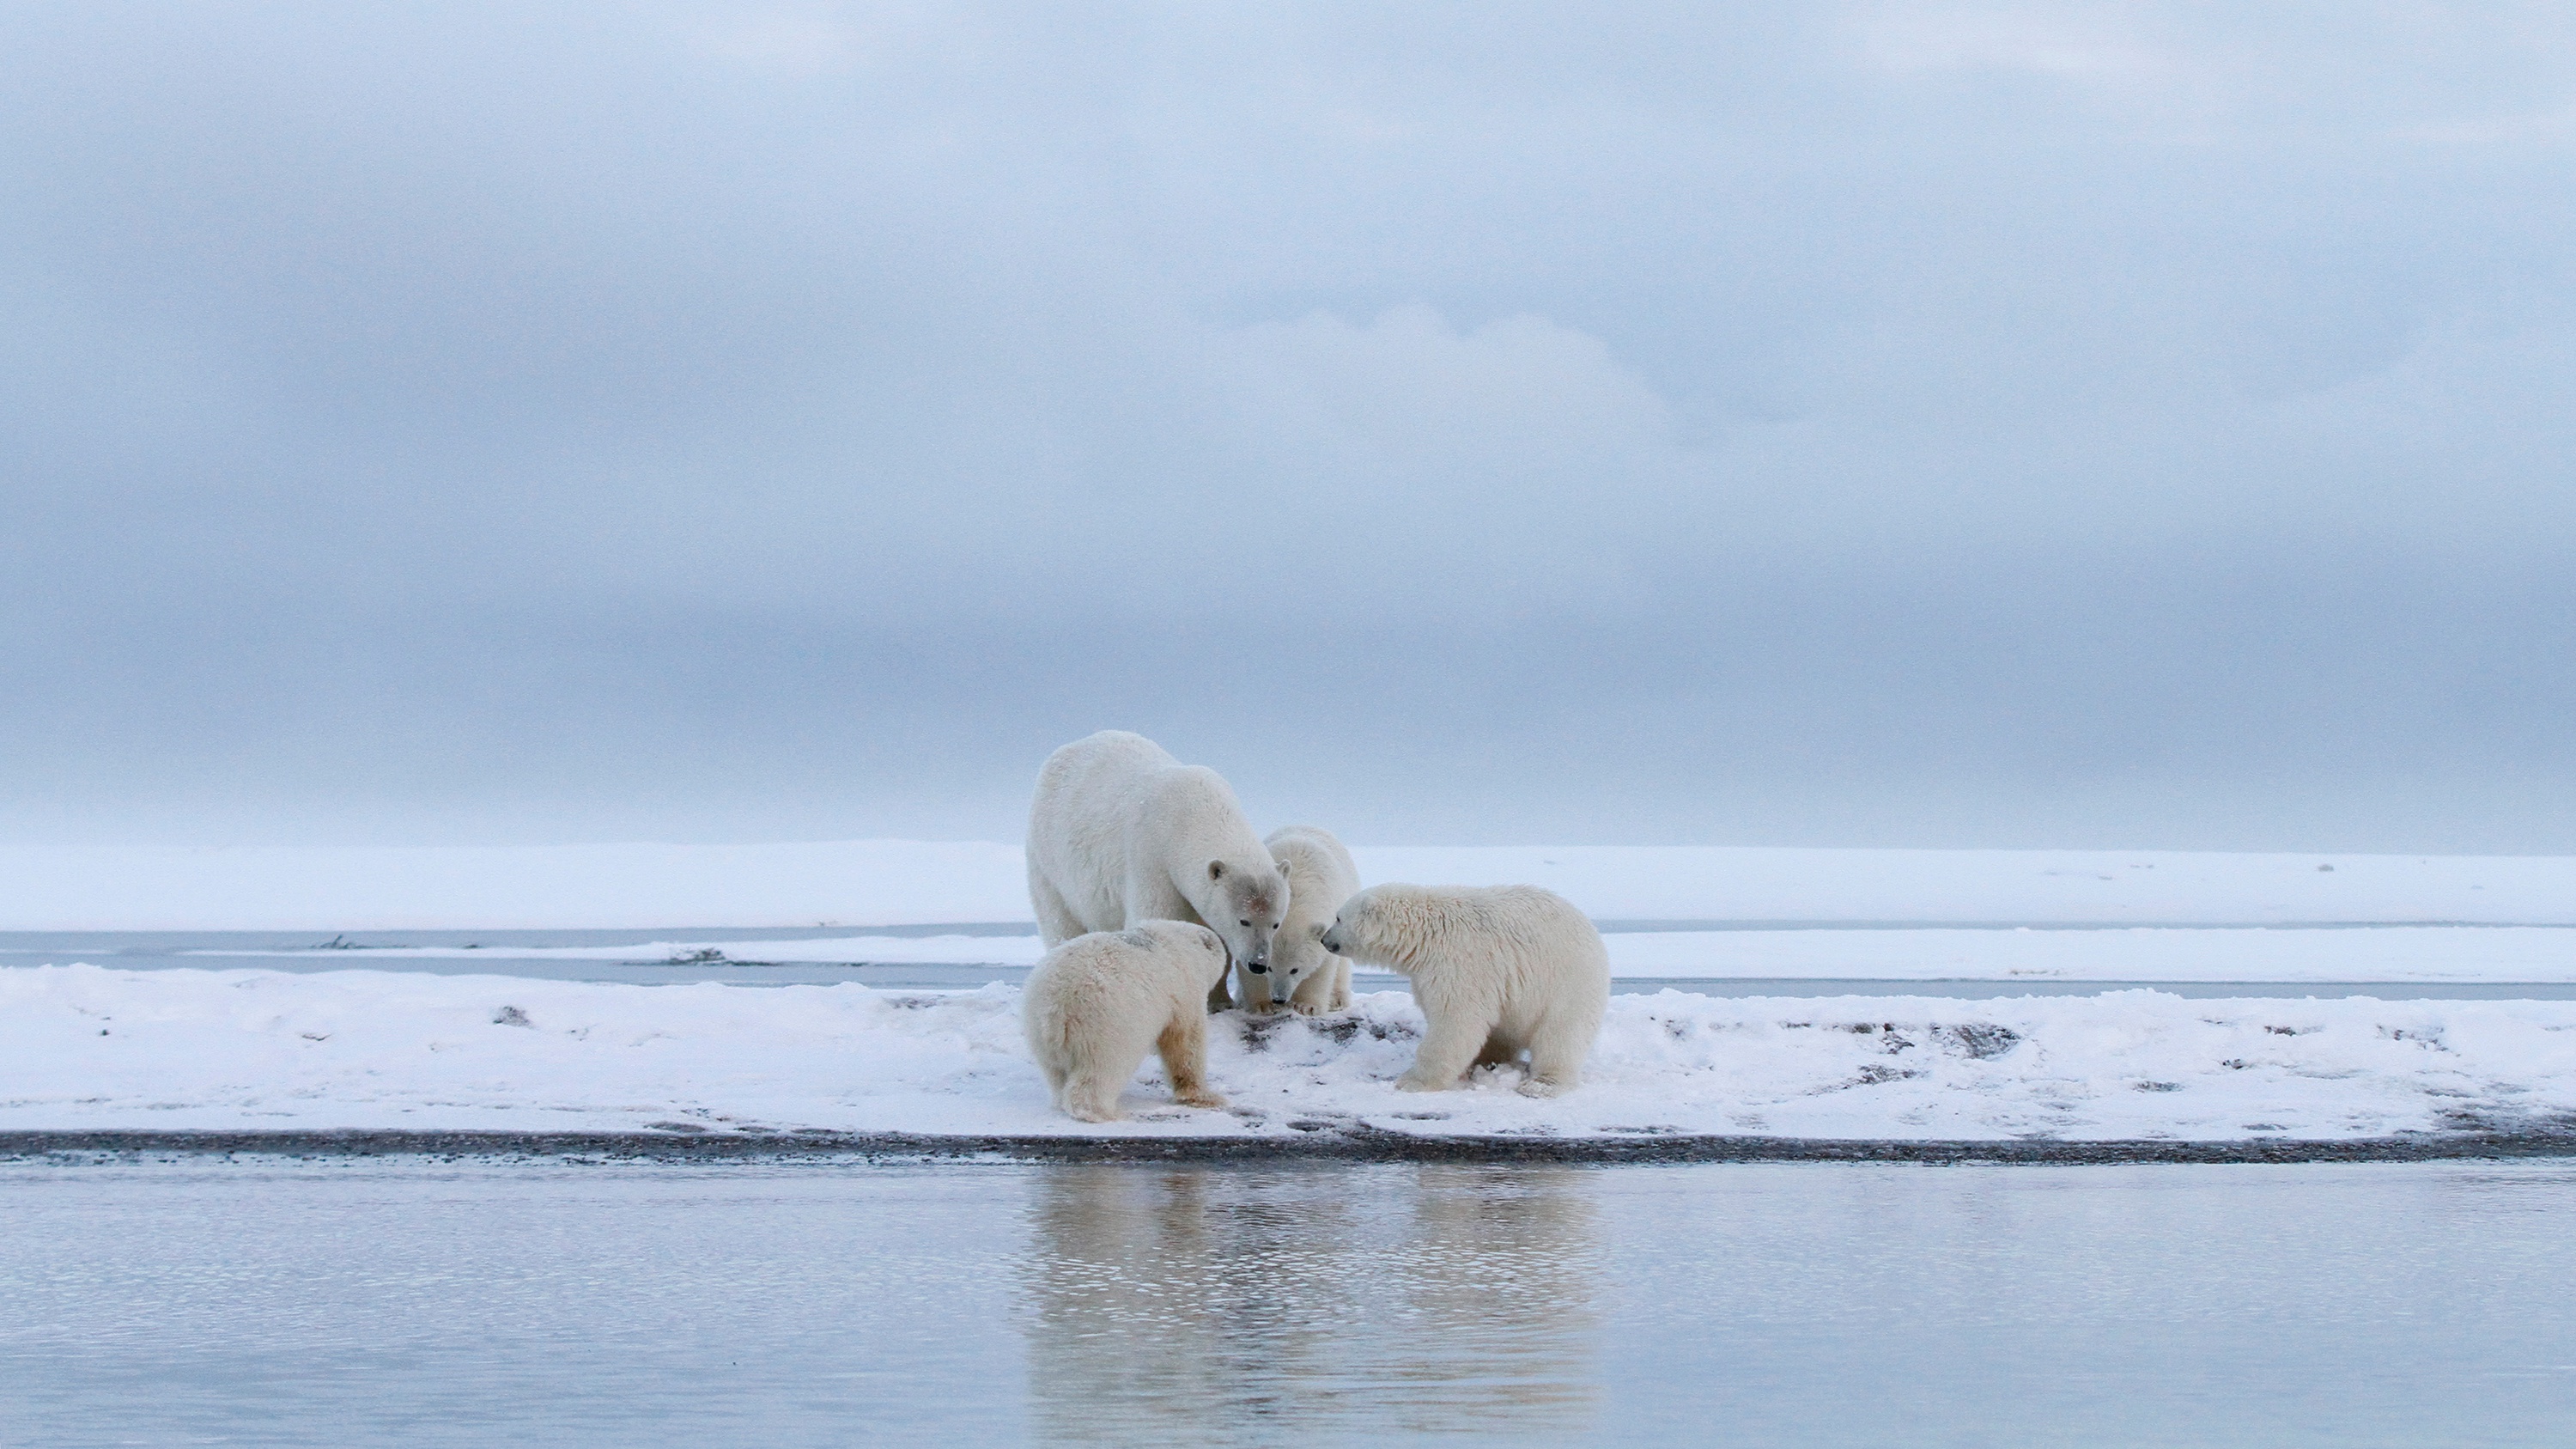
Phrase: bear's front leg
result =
(1448, 1049)
(1309, 997)
(1183, 1046)
(1257, 1000)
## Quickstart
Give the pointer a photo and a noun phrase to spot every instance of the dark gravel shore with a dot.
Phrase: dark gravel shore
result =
(1336, 1144)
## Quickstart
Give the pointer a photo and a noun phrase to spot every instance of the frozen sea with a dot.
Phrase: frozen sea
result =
(348, 1303)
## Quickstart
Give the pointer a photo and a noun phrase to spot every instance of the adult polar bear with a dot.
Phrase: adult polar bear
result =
(1498, 970)
(1122, 833)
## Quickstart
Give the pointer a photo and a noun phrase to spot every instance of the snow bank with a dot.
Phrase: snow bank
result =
(902, 882)
(2138, 953)
(2362, 954)
(850, 882)
(83, 1047)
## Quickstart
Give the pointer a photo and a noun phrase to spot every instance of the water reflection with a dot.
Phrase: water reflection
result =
(1253, 1306)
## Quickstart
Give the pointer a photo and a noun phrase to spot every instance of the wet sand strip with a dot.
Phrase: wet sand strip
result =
(1334, 1142)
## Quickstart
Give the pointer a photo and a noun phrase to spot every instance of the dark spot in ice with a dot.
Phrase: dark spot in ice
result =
(511, 1016)
(2159, 1086)
(1420, 1116)
(2263, 1127)
(675, 1126)
(2282, 1030)
(703, 956)
(1677, 1030)
(1645, 1131)
(2236, 1064)
(1873, 1073)
(1345, 1028)
(1308, 1124)
(1979, 1040)
(2325, 867)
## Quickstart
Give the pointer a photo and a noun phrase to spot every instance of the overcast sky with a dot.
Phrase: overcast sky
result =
(2118, 426)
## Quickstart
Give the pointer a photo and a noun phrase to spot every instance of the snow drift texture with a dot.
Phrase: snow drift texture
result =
(82, 1047)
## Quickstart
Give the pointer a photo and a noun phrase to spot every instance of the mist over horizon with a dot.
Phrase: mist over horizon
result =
(1940, 426)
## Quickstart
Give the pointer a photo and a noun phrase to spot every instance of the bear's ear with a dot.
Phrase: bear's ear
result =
(1216, 870)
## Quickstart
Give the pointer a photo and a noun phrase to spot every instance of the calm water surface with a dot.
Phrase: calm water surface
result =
(411, 1303)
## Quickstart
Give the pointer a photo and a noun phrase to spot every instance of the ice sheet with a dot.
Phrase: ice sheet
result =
(2364, 954)
(894, 882)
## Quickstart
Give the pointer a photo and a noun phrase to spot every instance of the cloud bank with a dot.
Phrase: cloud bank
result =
(1925, 425)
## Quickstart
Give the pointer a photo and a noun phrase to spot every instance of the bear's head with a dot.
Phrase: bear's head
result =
(1296, 954)
(1245, 904)
(1359, 932)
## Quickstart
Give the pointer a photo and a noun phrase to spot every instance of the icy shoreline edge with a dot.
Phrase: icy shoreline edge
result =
(1342, 1144)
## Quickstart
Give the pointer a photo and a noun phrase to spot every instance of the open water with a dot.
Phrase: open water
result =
(383, 1302)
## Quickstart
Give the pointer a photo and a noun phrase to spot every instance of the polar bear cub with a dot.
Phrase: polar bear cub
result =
(1097, 1003)
(1497, 970)
(1120, 832)
(1320, 875)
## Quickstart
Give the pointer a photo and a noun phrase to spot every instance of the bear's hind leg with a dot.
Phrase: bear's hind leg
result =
(1090, 1090)
(1053, 1071)
(1555, 1066)
(1089, 1099)
(1056, 922)
(1183, 1046)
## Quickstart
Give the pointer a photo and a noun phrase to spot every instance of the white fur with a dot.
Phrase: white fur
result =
(1497, 970)
(1096, 1004)
(1320, 877)
(1121, 832)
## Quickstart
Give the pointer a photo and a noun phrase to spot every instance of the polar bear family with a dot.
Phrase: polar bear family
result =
(1151, 890)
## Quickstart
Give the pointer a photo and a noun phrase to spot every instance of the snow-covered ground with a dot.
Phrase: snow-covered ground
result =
(83, 1047)
(2366, 954)
(894, 882)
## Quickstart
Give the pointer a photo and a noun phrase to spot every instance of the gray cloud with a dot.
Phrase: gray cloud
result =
(1932, 425)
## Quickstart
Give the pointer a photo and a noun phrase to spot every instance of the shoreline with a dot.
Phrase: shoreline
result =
(1339, 1144)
